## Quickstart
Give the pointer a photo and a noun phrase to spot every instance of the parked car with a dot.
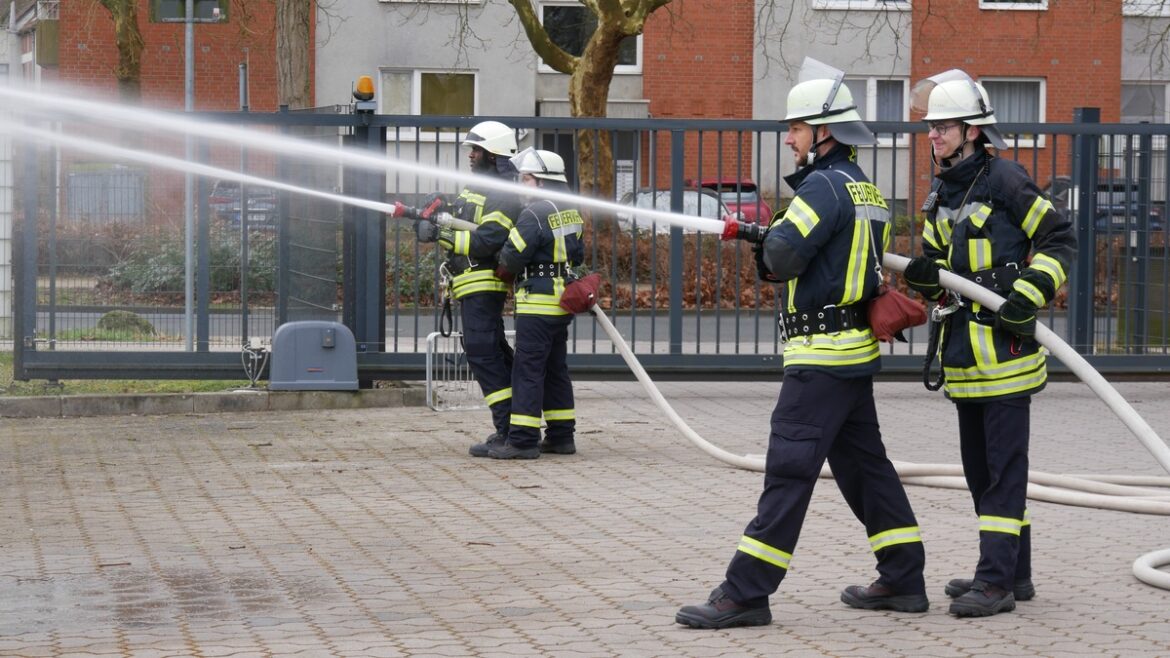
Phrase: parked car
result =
(695, 203)
(1117, 205)
(742, 196)
(224, 202)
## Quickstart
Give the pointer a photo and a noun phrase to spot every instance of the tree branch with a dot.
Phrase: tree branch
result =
(549, 52)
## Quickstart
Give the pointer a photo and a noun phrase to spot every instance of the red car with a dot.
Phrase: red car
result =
(740, 196)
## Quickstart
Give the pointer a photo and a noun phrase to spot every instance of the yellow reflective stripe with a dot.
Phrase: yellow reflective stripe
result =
(759, 549)
(979, 254)
(791, 295)
(1030, 291)
(977, 214)
(1051, 267)
(474, 281)
(1000, 524)
(560, 414)
(462, 243)
(856, 269)
(929, 237)
(1027, 518)
(1039, 208)
(520, 420)
(498, 396)
(972, 383)
(534, 303)
(517, 240)
(473, 198)
(802, 216)
(497, 217)
(844, 348)
(907, 535)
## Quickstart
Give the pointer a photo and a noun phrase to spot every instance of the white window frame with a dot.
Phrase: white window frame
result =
(1024, 142)
(416, 102)
(620, 69)
(1145, 8)
(1041, 5)
(861, 5)
(432, 2)
(871, 83)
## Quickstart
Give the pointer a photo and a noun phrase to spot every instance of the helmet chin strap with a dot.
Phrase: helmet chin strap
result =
(955, 157)
(811, 156)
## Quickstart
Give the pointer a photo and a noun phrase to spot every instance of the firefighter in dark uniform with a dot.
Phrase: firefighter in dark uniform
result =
(988, 222)
(541, 251)
(472, 263)
(824, 248)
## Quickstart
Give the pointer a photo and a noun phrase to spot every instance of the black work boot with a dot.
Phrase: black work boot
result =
(878, 596)
(504, 450)
(1021, 589)
(559, 447)
(721, 612)
(983, 600)
(481, 449)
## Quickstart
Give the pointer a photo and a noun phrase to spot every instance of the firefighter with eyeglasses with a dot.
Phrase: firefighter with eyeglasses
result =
(988, 222)
(541, 252)
(471, 260)
(824, 249)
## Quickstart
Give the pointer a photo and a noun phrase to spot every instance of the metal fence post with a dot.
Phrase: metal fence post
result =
(677, 145)
(24, 274)
(1080, 298)
(1139, 334)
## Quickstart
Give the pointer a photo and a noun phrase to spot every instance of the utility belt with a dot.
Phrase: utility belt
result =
(997, 279)
(827, 320)
(544, 270)
(459, 264)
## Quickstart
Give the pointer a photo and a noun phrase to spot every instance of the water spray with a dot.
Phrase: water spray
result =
(1084, 491)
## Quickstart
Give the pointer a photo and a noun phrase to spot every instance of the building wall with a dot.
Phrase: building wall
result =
(697, 63)
(1075, 46)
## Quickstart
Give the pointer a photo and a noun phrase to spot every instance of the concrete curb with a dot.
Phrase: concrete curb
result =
(66, 406)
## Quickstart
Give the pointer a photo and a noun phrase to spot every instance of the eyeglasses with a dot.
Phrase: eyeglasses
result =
(940, 127)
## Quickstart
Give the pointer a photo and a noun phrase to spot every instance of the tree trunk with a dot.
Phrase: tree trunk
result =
(588, 92)
(293, 19)
(128, 41)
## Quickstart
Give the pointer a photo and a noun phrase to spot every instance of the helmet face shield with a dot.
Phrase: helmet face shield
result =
(541, 164)
(822, 98)
(953, 95)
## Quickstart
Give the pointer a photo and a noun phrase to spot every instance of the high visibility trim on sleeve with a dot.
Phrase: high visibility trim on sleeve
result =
(517, 240)
(1040, 207)
(1030, 291)
(762, 551)
(907, 535)
(1051, 267)
(1000, 524)
(802, 216)
(496, 397)
(497, 217)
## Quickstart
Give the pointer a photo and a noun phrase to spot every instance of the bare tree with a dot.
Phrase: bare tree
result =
(293, 20)
(590, 74)
(128, 41)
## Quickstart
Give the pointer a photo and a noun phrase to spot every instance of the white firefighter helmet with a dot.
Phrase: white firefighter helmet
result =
(821, 98)
(493, 137)
(954, 95)
(541, 164)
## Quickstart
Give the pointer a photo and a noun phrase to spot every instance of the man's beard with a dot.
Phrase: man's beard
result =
(482, 166)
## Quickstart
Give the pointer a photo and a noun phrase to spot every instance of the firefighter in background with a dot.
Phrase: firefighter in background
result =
(984, 218)
(823, 248)
(472, 263)
(541, 251)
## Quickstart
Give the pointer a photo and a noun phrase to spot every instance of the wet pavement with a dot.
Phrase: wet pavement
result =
(370, 532)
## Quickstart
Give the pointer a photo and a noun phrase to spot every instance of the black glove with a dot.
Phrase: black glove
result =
(922, 276)
(426, 231)
(762, 270)
(1017, 316)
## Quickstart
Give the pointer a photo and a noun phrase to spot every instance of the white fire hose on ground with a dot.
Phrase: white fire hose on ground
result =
(1121, 493)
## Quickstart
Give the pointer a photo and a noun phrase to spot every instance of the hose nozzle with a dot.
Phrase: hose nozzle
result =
(734, 229)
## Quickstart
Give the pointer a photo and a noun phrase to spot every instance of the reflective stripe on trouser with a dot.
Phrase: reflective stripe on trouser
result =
(488, 352)
(993, 442)
(821, 417)
(540, 381)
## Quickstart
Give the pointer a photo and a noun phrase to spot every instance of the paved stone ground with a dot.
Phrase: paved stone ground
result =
(370, 532)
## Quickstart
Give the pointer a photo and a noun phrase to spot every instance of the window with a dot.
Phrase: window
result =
(895, 5)
(1017, 101)
(1025, 5)
(175, 11)
(1143, 102)
(570, 26)
(428, 93)
(881, 99)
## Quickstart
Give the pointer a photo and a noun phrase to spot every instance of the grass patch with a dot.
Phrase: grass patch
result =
(8, 386)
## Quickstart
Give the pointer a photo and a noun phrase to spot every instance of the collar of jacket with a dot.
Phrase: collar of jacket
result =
(836, 155)
(966, 169)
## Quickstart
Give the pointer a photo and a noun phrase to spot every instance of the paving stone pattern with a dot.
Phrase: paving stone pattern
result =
(370, 532)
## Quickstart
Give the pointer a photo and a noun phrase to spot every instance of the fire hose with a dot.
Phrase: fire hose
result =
(1119, 493)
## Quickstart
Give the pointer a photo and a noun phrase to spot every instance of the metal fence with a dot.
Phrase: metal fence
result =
(104, 262)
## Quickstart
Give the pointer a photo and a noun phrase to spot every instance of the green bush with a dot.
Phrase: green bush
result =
(125, 321)
(158, 265)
